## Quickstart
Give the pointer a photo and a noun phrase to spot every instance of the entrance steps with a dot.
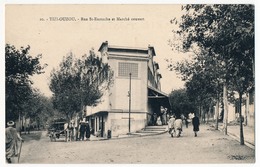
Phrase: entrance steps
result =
(153, 129)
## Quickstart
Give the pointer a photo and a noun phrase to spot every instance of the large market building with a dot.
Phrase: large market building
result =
(135, 95)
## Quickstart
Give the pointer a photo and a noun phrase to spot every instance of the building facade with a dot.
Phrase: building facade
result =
(135, 95)
(247, 110)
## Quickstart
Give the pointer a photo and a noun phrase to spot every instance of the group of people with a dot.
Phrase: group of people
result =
(175, 124)
(159, 118)
(14, 140)
(84, 131)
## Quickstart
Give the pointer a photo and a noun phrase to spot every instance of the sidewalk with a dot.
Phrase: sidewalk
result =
(132, 135)
(234, 132)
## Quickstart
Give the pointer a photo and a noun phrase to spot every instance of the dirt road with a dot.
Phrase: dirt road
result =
(209, 147)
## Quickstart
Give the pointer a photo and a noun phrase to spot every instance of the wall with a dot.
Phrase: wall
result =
(119, 122)
(251, 116)
(119, 91)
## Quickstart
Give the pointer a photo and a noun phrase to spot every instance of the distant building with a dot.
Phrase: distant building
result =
(247, 110)
(136, 88)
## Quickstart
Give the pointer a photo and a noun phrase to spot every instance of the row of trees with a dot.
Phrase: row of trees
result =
(76, 83)
(22, 100)
(221, 40)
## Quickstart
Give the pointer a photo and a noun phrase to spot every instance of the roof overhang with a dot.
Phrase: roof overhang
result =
(157, 92)
(99, 113)
(158, 97)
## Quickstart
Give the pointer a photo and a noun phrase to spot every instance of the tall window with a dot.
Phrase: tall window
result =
(125, 68)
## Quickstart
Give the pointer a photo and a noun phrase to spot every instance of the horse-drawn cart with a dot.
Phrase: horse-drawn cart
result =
(56, 131)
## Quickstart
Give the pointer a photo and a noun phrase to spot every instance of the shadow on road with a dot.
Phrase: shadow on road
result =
(34, 135)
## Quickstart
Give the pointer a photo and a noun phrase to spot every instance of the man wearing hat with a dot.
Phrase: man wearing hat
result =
(82, 129)
(11, 143)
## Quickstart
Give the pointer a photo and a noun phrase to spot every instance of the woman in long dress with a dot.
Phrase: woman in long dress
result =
(12, 145)
(196, 124)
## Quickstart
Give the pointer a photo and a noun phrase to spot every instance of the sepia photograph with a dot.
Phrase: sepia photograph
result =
(163, 84)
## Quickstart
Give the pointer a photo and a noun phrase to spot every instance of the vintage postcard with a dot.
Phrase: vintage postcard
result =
(108, 84)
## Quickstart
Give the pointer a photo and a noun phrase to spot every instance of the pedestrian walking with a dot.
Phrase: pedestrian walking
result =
(195, 123)
(87, 131)
(184, 119)
(186, 122)
(171, 125)
(13, 143)
(178, 126)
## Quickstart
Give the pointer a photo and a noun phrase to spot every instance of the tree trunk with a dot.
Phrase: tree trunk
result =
(200, 115)
(217, 113)
(207, 120)
(247, 108)
(20, 126)
(204, 114)
(225, 119)
(241, 122)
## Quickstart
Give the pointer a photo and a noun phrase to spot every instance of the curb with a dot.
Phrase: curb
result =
(248, 144)
(131, 136)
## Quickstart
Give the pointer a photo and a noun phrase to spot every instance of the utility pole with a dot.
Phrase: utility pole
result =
(129, 95)
(20, 124)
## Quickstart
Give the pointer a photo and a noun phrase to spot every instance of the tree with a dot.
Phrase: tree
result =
(203, 87)
(19, 66)
(79, 82)
(39, 109)
(180, 102)
(226, 31)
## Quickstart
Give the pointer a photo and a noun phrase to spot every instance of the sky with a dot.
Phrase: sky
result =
(31, 25)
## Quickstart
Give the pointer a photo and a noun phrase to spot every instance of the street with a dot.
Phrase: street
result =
(209, 147)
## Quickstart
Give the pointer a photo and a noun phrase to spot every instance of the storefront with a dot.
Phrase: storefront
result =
(97, 122)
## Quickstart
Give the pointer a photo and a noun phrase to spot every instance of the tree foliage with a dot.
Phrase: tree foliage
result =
(79, 82)
(221, 37)
(225, 33)
(181, 103)
(19, 66)
(39, 109)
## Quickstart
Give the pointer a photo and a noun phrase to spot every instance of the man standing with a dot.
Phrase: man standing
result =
(82, 130)
(162, 115)
(195, 123)
(11, 143)
(87, 131)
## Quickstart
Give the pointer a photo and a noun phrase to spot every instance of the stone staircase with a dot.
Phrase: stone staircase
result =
(152, 130)
(147, 131)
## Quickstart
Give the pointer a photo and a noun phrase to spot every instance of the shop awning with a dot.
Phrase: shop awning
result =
(100, 113)
(158, 97)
